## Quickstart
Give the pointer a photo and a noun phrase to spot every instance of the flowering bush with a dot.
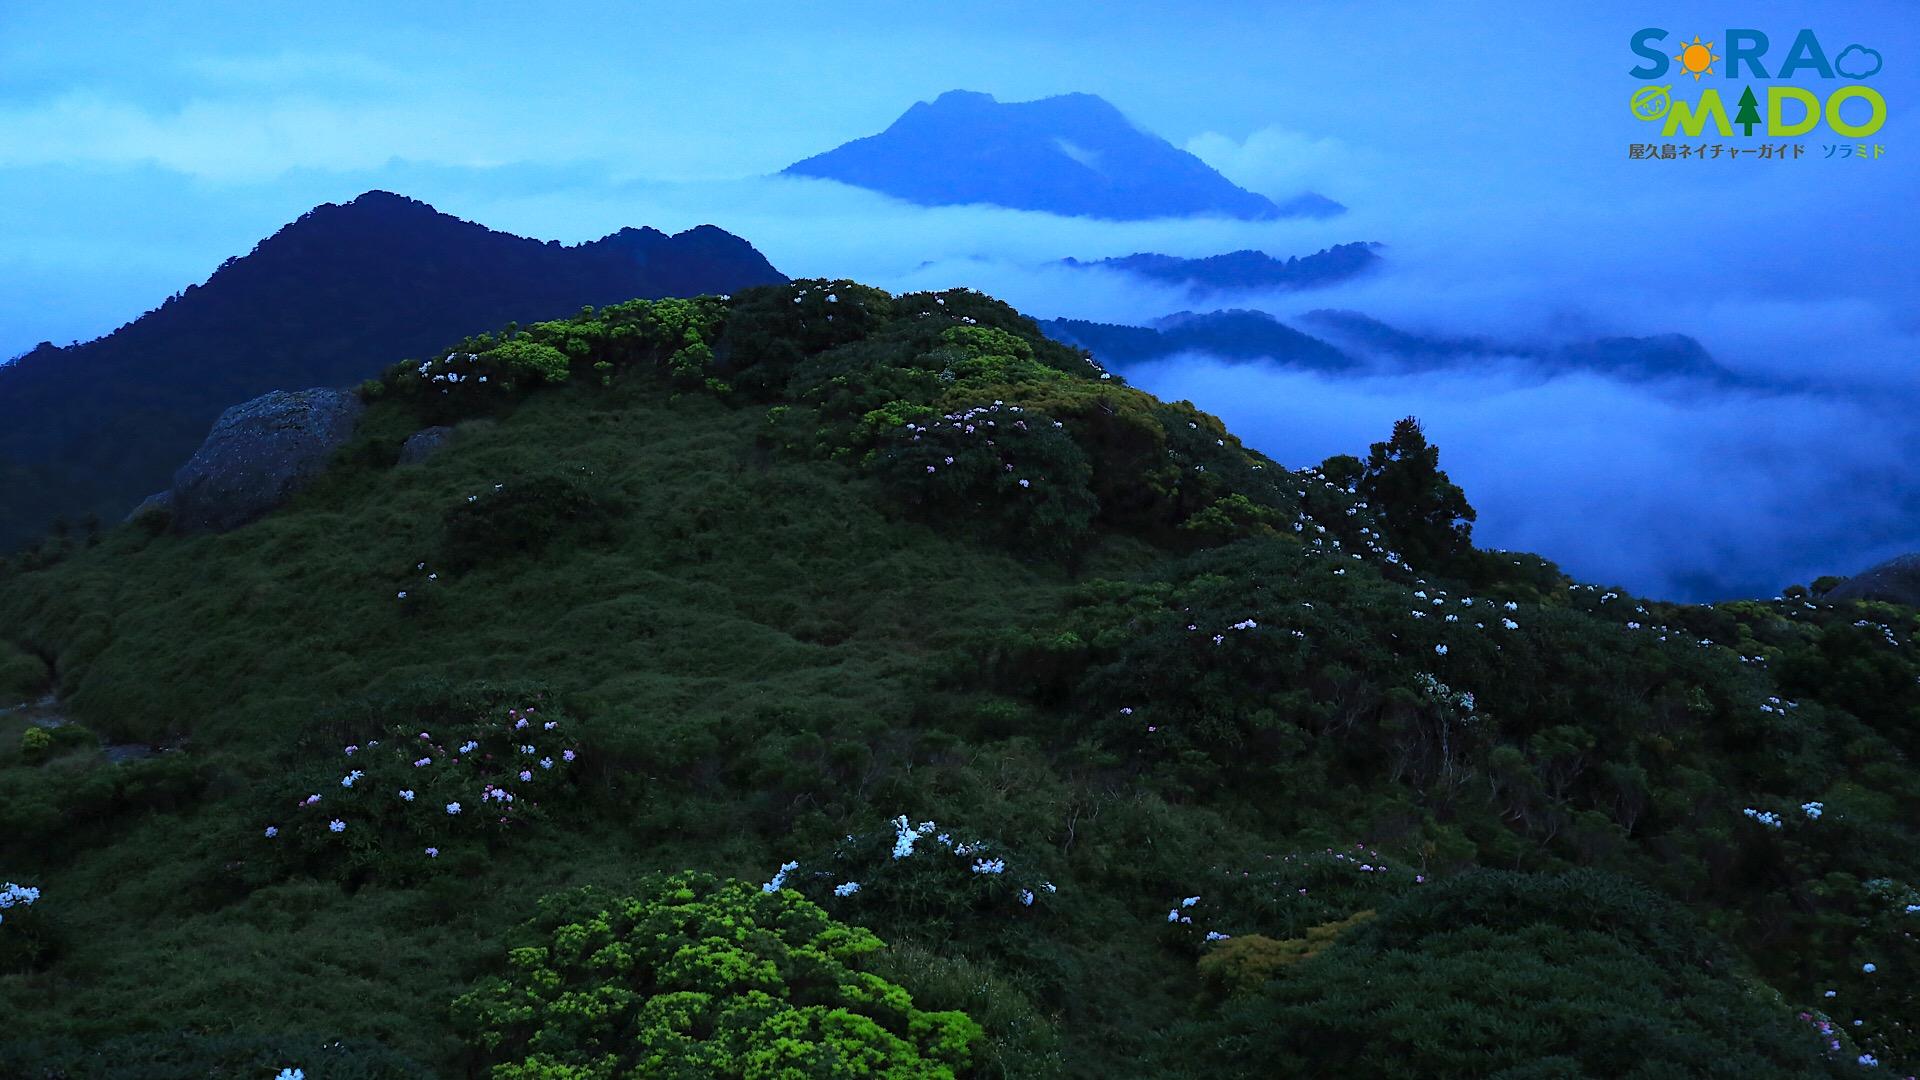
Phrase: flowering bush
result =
(917, 871)
(389, 806)
(694, 976)
(26, 941)
(996, 468)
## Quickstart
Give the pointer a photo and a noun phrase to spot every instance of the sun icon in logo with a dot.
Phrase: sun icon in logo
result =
(1696, 59)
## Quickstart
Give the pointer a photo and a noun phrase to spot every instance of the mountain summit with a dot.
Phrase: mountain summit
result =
(329, 299)
(1074, 155)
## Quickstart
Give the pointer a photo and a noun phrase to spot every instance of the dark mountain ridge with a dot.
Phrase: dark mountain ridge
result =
(330, 299)
(1345, 341)
(1655, 356)
(1246, 269)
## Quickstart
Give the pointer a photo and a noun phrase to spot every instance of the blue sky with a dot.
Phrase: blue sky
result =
(140, 145)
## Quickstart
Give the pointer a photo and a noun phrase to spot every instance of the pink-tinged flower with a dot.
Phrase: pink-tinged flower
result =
(521, 724)
(422, 762)
(433, 853)
(352, 750)
(526, 775)
(426, 736)
(566, 755)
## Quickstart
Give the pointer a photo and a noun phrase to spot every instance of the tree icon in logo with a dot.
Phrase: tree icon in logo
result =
(1749, 113)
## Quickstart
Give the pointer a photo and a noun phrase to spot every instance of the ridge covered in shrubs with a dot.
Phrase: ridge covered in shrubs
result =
(1146, 754)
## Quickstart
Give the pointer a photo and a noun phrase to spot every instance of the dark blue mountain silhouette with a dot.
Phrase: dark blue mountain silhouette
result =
(329, 300)
(1230, 335)
(1074, 155)
(1658, 356)
(1245, 270)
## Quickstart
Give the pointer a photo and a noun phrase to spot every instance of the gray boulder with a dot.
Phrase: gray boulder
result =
(1896, 581)
(423, 444)
(260, 453)
(160, 502)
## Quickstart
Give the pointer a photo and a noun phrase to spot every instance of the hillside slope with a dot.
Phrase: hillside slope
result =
(329, 300)
(1212, 782)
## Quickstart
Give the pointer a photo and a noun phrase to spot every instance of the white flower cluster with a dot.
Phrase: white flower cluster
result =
(845, 888)
(905, 836)
(780, 878)
(1764, 817)
(1813, 809)
(12, 895)
(449, 376)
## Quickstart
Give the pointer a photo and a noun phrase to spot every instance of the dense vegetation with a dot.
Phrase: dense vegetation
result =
(1144, 754)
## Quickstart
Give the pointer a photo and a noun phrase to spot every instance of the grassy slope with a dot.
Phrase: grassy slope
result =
(770, 653)
(782, 586)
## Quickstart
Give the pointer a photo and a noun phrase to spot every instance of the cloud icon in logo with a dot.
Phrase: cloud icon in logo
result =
(1857, 62)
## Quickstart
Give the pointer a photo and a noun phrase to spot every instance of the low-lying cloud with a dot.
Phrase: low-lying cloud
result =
(1683, 492)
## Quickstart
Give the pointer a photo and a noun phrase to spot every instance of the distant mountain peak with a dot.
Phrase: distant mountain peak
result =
(1071, 154)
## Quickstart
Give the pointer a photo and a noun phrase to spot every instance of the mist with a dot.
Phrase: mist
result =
(1496, 178)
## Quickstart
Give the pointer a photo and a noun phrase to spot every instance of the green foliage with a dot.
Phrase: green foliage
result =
(21, 674)
(189, 1054)
(693, 976)
(1426, 513)
(925, 873)
(530, 360)
(34, 743)
(1243, 964)
(521, 517)
(1508, 975)
(1167, 674)
(57, 810)
(416, 798)
(28, 940)
(996, 470)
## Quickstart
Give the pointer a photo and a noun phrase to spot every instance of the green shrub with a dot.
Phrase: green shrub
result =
(693, 976)
(996, 469)
(21, 674)
(1510, 975)
(1243, 964)
(34, 743)
(522, 359)
(164, 1055)
(521, 517)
